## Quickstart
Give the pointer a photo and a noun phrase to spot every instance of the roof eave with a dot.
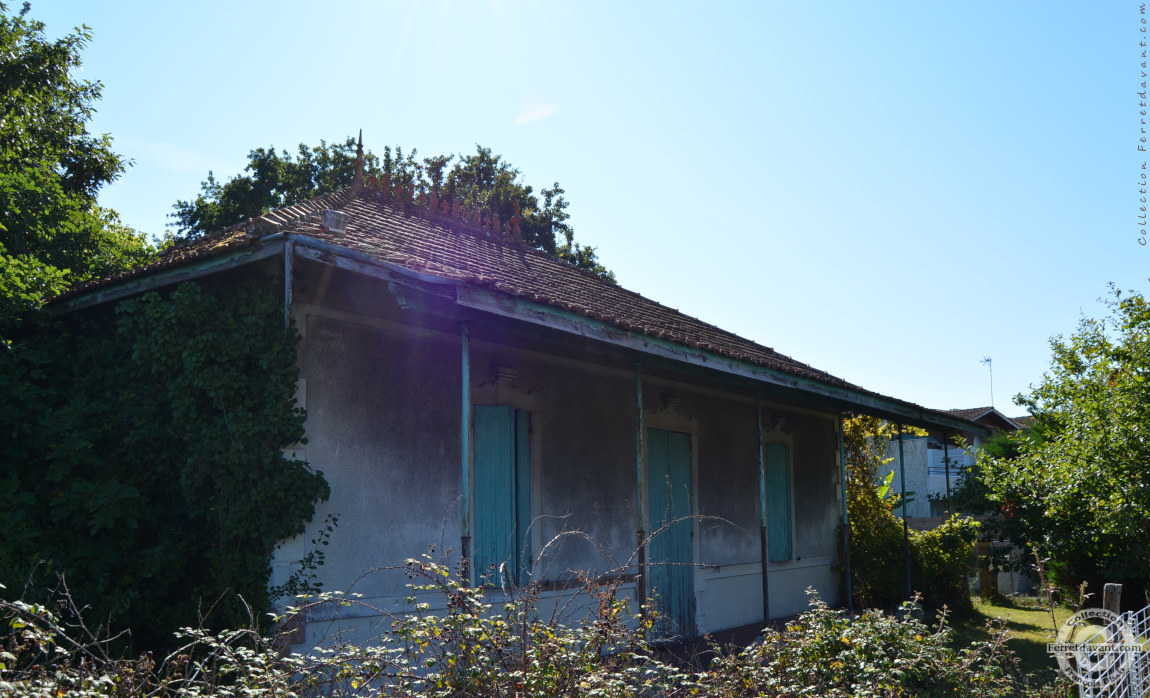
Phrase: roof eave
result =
(268, 246)
(839, 396)
(476, 298)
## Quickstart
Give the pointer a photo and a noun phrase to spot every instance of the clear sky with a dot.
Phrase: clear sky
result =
(888, 191)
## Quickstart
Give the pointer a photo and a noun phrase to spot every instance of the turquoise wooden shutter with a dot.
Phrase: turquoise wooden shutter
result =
(502, 460)
(778, 476)
(671, 552)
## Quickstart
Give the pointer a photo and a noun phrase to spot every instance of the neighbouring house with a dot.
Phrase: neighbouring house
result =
(467, 392)
(935, 463)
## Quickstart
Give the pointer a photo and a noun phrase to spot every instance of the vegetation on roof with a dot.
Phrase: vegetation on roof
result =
(481, 182)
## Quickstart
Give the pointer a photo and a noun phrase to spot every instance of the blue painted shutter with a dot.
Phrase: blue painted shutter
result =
(501, 502)
(671, 551)
(778, 472)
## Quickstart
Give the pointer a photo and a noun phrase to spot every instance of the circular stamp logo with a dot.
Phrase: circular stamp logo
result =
(1094, 648)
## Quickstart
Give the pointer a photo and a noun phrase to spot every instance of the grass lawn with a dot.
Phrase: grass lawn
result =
(1030, 628)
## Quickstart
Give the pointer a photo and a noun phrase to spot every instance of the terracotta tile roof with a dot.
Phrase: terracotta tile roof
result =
(1024, 422)
(413, 237)
(989, 414)
(969, 412)
(443, 247)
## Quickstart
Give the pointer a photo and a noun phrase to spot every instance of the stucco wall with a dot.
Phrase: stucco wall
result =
(380, 430)
(382, 390)
(816, 482)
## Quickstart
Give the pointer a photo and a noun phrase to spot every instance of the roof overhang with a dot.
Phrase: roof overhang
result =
(270, 246)
(496, 303)
(837, 396)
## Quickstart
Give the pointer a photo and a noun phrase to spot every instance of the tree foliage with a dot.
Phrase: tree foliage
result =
(52, 232)
(480, 181)
(1079, 489)
(272, 180)
(143, 458)
(142, 447)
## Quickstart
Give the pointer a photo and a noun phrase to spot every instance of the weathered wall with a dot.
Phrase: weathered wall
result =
(381, 430)
(382, 390)
(583, 455)
(728, 479)
(817, 482)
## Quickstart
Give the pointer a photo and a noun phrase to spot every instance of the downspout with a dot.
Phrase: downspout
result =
(763, 556)
(846, 518)
(465, 451)
(640, 493)
(289, 255)
(905, 528)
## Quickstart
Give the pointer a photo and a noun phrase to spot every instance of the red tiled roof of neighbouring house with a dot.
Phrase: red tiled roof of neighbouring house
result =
(1024, 422)
(970, 412)
(987, 414)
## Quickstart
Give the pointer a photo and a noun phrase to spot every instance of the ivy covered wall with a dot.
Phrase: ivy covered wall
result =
(143, 457)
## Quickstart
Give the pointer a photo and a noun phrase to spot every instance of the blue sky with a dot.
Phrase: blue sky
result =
(886, 191)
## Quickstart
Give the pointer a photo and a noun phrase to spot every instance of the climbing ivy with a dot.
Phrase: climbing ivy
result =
(145, 457)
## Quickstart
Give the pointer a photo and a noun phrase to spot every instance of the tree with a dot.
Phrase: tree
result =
(273, 180)
(481, 181)
(142, 455)
(52, 232)
(1079, 490)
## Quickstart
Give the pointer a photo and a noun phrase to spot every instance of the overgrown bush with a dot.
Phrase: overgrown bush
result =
(143, 457)
(940, 560)
(457, 641)
(826, 652)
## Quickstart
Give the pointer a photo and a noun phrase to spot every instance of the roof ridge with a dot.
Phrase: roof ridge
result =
(489, 223)
(280, 218)
(270, 222)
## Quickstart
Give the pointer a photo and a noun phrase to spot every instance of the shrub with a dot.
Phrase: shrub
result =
(941, 560)
(144, 457)
(826, 652)
(474, 647)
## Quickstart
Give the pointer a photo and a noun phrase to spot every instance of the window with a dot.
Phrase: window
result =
(777, 465)
(502, 506)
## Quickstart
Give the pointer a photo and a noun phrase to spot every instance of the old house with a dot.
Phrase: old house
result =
(467, 392)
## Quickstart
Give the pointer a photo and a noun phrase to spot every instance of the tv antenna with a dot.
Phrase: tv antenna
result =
(986, 361)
